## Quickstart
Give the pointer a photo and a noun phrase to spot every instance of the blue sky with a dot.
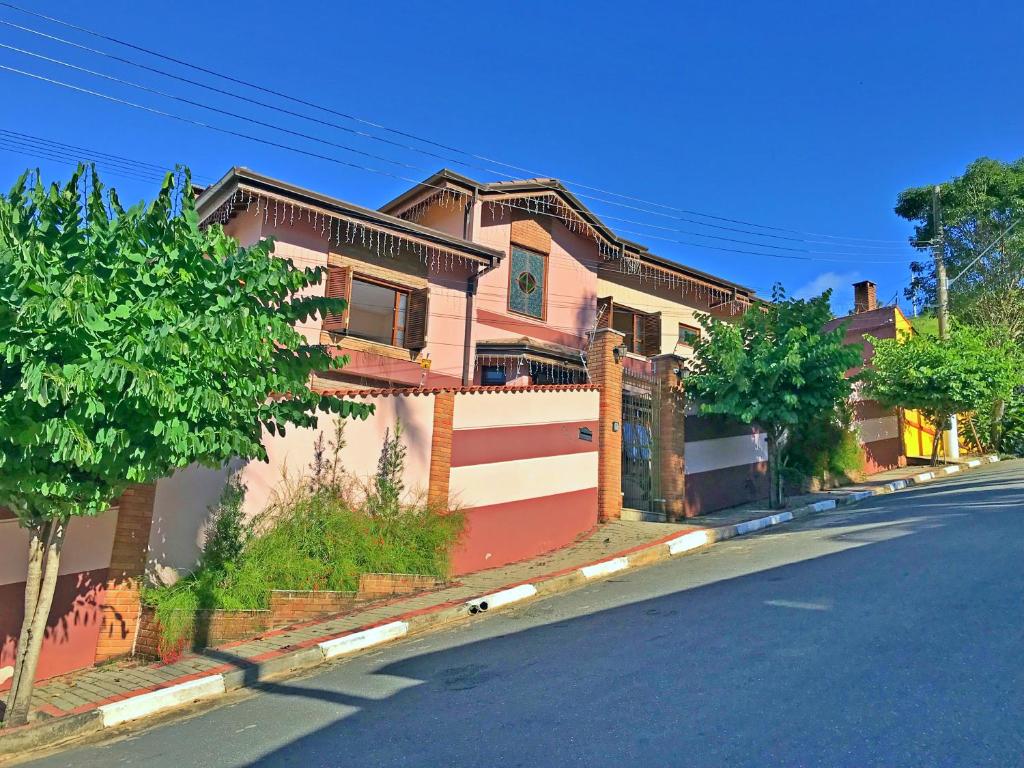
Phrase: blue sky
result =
(807, 117)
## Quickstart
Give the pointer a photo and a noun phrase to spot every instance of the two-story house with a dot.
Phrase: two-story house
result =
(457, 282)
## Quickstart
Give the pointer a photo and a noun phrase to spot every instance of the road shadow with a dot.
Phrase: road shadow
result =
(852, 657)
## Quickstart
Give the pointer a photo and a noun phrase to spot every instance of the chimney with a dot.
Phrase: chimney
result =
(864, 297)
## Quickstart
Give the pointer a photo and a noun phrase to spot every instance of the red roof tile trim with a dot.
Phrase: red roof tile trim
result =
(353, 392)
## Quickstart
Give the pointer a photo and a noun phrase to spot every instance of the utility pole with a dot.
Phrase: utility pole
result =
(938, 252)
(952, 437)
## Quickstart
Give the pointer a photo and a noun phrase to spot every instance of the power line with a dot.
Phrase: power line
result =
(347, 148)
(71, 152)
(409, 135)
(43, 154)
(987, 249)
(810, 256)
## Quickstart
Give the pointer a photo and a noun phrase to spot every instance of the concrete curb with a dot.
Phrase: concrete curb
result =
(51, 732)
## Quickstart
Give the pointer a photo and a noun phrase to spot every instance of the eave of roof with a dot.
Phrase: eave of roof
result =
(446, 178)
(220, 191)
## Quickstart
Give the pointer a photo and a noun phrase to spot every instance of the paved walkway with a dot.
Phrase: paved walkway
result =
(86, 689)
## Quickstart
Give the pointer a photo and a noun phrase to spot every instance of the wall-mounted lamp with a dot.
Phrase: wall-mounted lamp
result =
(619, 352)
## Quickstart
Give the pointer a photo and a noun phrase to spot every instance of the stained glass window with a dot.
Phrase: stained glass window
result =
(526, 289)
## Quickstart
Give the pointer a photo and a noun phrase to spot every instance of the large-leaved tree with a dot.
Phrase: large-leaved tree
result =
(776, 368)
(134, 342)
(966, 372)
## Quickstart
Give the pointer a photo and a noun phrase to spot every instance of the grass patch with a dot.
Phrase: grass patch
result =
(321, 535)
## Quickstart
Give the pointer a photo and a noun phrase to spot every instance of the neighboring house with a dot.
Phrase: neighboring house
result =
(889, 436)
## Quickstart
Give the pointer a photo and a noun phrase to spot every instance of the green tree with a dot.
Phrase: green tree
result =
(776, 368)
(940, 378)
(978, 209)
(134, 342)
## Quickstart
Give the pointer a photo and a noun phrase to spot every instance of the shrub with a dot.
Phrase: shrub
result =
(825, 449)
(1012, 437)
(227, 532)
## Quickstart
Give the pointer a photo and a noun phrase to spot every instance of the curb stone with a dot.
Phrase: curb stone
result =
(54, 731)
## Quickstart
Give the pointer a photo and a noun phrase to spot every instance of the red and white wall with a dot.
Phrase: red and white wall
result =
(726, 463)
(523, 471)
(519, 471)
(74, 625)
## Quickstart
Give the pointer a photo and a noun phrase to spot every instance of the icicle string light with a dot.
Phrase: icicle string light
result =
(516, 366)
(446, 197)
(338, 229)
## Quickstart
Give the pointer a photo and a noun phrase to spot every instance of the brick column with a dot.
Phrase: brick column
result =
(120, 612)
(671, 434)
(606, 373)
(441, 450)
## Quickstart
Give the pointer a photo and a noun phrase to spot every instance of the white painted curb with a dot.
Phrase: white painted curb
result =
(688, 541)
(506, 596)
(213, 685)
(821, 506)
(149, 703)
(924, 477)
(359, 640)
(605, 568)
(763, 522)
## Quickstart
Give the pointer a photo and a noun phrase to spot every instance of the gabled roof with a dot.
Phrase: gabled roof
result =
(212, 198)
(451, 181)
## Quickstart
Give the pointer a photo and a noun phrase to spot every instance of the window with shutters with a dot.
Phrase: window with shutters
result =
(378, 312)
(632, 324)
(688, 334)
(526, 282)
(642, 330)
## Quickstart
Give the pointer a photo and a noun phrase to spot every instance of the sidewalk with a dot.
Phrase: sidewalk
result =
(81, 702)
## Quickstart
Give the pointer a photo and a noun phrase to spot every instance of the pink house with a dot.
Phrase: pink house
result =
(459, 283)
(534, 356)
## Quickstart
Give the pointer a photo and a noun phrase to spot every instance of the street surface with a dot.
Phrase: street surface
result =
(886, 634)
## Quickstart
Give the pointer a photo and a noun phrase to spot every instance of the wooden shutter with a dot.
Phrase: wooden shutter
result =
(652, 335)
(339, 286)
(416, 319)
(605, 307)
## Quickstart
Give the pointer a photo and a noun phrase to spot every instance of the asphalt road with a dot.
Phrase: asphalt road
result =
(887, 634)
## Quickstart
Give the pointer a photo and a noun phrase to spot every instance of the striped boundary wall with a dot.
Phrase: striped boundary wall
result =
(523, 472)
(881, 438)
(726, 463)
(202, 687)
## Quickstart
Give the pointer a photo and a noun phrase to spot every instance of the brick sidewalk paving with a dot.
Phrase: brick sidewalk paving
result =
(84, 690)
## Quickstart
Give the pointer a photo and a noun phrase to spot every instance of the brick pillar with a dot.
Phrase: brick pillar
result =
(121, 607)
(671, 434)
(606, 373)
(441, 450)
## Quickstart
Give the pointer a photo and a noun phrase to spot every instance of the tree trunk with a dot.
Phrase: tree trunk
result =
(774, 472)
(45, 545)
(940, 432)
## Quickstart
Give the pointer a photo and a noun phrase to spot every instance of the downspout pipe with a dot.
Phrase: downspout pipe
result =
(471, 287)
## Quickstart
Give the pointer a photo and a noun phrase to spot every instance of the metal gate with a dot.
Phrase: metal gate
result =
(640, 489)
